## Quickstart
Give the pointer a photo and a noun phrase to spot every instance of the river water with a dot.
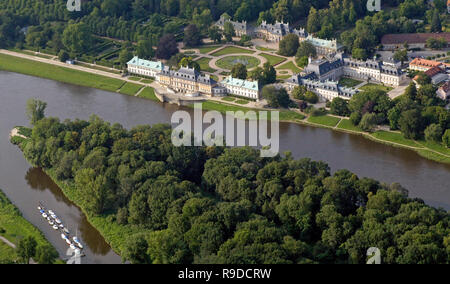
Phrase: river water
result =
(26, 186)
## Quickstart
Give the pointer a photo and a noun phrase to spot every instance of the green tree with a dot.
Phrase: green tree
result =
(303, 61)
(275, 97)
(135, 250)
(410, 123)
(401, 55)
(359, 53)
(94, 190)
(433, 133)
(125, 55)
(339, 106)
(189, 62)
(311, 97)
(368, 122)
(306, 49)
(239, 71)
(436, 26)
(167, 47)
(446, 138)
(46, 254)
(313, 23)
(63, 56)
(77, 38)
(289, 45)
(215, 34)
(192, 36)
(228, 31)
(299, 92)
(35, 110)
(26, 249)
(145, 49)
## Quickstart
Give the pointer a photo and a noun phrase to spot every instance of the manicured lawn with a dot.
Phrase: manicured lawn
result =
(148, 93)
(96, 67)
(291, 66)
(433, 156)
(62, 74)
(283, 77)
(228, 99)
(130, 89)
(229, 61)
(346, 124)
(207, 49)
(147, 81)
(394, 137)
(436, 147)
(371, 86)
(324, 120)
(264, 48)
(231, 50)
(204, 65)
(349, 82)
(273, 60)
(134, 78)
(242, 102)
(288, 115)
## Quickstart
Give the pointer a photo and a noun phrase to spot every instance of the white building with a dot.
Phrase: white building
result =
(144, 67)
(242, 88)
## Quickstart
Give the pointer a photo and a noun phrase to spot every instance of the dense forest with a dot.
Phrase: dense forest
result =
(229, 205)
(137, 20)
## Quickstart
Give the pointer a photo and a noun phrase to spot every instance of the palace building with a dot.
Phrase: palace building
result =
(243, 88)
(241, 28)
(186, 80)
(144, 67)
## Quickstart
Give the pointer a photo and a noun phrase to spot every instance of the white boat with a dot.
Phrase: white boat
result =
(64, 237)
(66, 231)
(73, 247)
(42, 211)
(58, 221)
(39, 208)
(44, 215)
(51, 223)
(49, 219)
(61, 226)
(80, 245)
(75, 239)
(68, 242)
(51, 212)
(55, 227)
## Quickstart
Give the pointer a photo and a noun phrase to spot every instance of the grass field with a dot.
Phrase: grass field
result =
(61, 74)
(7, 254)
(283, 77)
(242, 102)
(229, 61)
(204, 65)
(130, 89)
(436, 147)
(273, 60)
(371, 86)
(264, 48)
(147, 81)
(394, 137)
(148, 93)
(324, 120)
(207, 49)
(349, 82)
(231, 50)
(289, 65)
(96, 67)
(228, 99)
(134, 78)
(347, 125)
(15, 228)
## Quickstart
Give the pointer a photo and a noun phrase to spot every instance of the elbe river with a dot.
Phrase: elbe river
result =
(26, 186)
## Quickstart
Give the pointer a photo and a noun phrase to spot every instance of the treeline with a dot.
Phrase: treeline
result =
(221, 205)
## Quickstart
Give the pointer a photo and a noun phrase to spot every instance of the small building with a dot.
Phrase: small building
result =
(241, 28)
(242, 88)
(414, 40)
(144, 67)
(444, 91)
(420, 64)
(324, 46)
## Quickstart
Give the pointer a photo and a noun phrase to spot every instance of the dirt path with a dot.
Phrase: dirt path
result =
(15, 132)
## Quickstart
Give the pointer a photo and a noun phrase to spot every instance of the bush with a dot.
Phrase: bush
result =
(446, 138)
(433, 133)
(368, 122)
(355, 118)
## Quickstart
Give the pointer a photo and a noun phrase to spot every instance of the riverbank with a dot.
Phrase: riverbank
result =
(13, 228)
(92, 78)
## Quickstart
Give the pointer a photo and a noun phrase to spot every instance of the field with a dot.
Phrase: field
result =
(273, 60)
(204, 65)
(148, 93)
(228, 99)
(231, 50)
(229, 61)
(394, 137)
(130, 89)
(347, 125)
(208, 49)
(264, 49)
(61, 74)
(349, 82)
(371, 86)
(290, 66)
(324, 120)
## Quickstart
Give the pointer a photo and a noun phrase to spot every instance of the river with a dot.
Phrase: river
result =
(26, 186)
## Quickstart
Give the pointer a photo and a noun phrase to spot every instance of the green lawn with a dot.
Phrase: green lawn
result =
(147, 81)
(289, 65)
(436, 147)
(229, 61)
(324, 120)
(207, 49)
(349, 82)
(228, 99)
(62, 74)
(231, 50)
(204, 65)
(273, 60)
(130, 89)
(283, 77)
(371, 86)
(134, 78)
(347, 125)
(148, 93)
(264, 48)
(394, 137)
(96, 67)
(15, 227)
(242, 102)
